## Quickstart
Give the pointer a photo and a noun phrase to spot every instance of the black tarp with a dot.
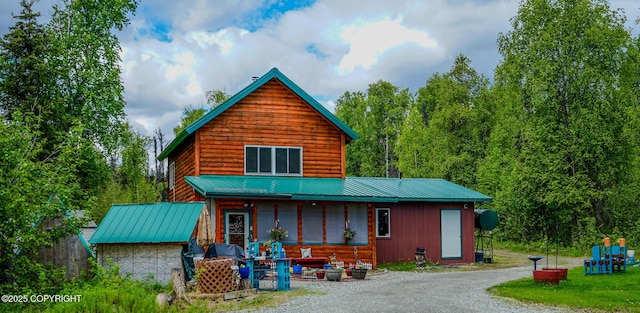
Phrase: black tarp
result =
(218, 250)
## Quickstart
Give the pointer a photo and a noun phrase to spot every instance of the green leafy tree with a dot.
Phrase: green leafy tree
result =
(190, 113)
(456, 123)
(569, 150)
(27, 184)
(89, 82)
(130, 181)
(61, 106)
(377, 117)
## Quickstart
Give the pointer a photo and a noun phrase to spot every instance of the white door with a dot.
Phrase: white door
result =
(237, 229)
(451, 233)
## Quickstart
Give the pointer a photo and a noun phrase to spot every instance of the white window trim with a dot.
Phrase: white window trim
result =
(172, 175)
(273, 161)
(378, 210)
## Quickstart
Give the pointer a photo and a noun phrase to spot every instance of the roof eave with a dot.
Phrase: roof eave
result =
(273, 73)
(456, 200)
(174, 144)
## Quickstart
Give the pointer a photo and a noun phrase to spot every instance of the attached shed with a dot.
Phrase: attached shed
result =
(146, 239)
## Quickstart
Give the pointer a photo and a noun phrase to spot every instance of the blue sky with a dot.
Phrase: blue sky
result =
(174, 51)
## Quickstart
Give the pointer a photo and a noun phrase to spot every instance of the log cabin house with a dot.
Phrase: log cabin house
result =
(271, 153)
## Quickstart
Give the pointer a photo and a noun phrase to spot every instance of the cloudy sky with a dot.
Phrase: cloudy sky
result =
(174, 51)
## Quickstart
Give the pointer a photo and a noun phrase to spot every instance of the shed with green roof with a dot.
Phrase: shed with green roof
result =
(146, 239)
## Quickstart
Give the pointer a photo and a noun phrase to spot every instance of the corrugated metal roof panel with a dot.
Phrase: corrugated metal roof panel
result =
(350, 189)
(423, 189)
(151, 222)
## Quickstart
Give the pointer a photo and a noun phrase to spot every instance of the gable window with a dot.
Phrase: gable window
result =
(382, 223)
(261, 160)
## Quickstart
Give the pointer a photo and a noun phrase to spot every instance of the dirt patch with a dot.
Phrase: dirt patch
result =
(508, 259)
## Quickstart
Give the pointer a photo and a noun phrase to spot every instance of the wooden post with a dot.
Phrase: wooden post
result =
(177, 278)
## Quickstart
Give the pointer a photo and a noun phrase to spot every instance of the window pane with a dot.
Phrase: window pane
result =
(251, 159)
(335, 224)
(288, 216)
(265, 160)
(382, 222)
(266, 220)
(172, 174)
(294, 161)
(358, 220)
(281, 160)
(311, 224)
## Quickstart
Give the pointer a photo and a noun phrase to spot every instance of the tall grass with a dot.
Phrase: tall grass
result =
(107, 291)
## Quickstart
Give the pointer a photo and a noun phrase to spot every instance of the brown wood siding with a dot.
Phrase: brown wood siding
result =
(271, 116)
(68, 252)
(416, 225)
(184, 166)
(343, 252)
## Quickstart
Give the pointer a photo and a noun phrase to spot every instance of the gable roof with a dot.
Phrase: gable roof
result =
(273, 73)
(151, 222)
(356, 189)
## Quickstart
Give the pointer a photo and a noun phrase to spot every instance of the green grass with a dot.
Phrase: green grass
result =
(401, 266)
(540, 248)
(614, 293)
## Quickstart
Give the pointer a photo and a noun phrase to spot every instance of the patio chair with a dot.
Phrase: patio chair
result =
(608, 260)
(618, 261)
(595, 264)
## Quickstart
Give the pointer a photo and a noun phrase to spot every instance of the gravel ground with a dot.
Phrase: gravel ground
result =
(455, 291)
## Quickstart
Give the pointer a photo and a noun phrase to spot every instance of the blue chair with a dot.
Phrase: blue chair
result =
(595, 264)
(618, 260)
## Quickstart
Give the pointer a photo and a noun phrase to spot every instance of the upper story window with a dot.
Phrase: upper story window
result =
(261, 160)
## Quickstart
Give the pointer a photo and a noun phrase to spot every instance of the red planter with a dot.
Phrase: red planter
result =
(563, 271)
(548, 277)
(320, 274)
(348, 271)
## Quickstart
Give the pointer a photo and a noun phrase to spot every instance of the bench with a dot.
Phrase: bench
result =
(310, 262)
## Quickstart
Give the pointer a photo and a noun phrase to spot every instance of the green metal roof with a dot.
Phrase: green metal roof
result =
(273, 73)
(356, 189)
(152, 222)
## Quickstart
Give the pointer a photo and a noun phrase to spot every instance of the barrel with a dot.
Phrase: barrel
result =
(607, 241)
(622, 242)
(485, 219)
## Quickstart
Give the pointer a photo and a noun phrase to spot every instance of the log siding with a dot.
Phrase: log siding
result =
(270, 116)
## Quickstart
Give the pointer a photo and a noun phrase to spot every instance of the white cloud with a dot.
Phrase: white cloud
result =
(224, 39)
(327, 48)
(369, 40)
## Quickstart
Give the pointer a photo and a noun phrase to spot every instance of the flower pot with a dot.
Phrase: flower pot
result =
(297, 269)
(320, 274)
(244, 272)
(548, 277)
(359, 273)
(333, 274)
(562, 271)
(349, 272)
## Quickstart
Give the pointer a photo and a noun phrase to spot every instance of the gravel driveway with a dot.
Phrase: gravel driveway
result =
(452, 291)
